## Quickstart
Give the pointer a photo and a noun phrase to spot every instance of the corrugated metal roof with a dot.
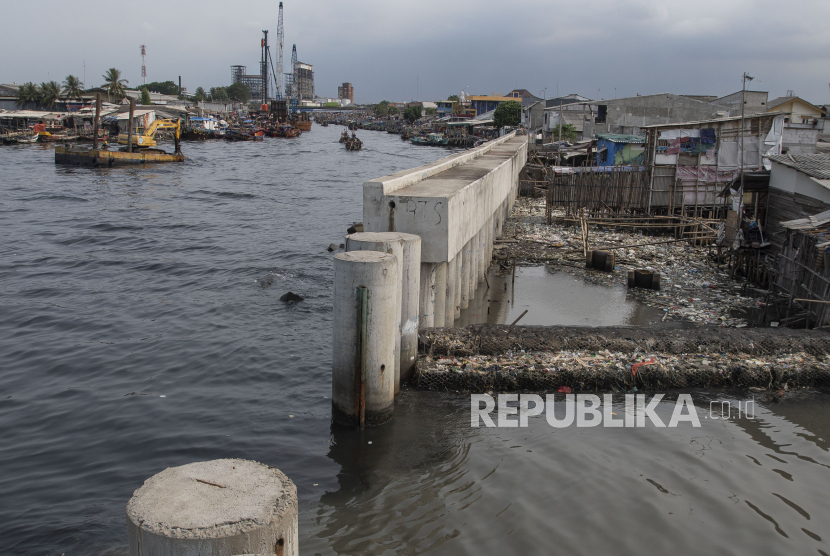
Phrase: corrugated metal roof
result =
(809, 222)
(620, 138)
(814, 165)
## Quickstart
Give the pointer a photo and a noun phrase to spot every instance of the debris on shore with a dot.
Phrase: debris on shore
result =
(694, 288)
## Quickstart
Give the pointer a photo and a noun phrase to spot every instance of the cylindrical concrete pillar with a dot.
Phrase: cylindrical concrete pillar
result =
(440, 277)
(364, 356)
(466, 261)
(407, 247)
(410, 306)
(426, 301)
(452, 288)
(220, 507)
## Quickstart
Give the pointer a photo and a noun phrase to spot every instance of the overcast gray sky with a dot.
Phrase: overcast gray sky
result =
(429, 49)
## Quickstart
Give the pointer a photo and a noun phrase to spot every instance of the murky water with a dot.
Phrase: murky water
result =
(553, 297)
(141, 328)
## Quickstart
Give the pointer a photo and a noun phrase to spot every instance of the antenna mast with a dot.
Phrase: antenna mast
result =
(278, 77)
(143, 65)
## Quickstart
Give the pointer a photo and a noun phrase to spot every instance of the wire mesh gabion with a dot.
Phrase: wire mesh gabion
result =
(547, 359)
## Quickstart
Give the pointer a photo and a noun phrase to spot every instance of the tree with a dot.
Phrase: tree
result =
(454, 98)
(394, 110)
(114, 84)
(431, 111)
(507, 114)
(164, 88)
(381, 108)
(49, 94)
(239, 92)
(145, 97)
(72, 87)
(219, 94)
(412, 114)
(27, 93)
(199, 95)
(569, 133)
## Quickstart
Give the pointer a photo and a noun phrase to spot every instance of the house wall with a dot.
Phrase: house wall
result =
(800, 112)
(800, 138)
(754, 101)
(626, 115)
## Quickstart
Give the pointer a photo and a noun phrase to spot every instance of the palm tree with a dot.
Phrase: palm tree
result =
(26, 94)
(114, 84)
(72, 87)
(49, 94)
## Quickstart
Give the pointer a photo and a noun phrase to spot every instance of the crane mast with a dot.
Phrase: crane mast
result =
(278, 76)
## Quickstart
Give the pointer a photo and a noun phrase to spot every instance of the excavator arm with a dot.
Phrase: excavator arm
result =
(148, 138)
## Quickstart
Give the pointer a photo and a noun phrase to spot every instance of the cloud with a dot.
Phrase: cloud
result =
(433, 48)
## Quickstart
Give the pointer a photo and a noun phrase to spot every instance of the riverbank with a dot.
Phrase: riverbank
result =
(694, 287)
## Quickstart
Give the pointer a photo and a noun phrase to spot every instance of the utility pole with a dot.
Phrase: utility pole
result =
(741, 130)
(559, 147)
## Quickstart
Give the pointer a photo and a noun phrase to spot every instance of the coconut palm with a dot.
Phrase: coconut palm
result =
(114, 84)
(26, 94)
(49, 94)
(72, 87)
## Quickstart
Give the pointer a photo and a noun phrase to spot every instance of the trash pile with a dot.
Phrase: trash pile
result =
(574, 371)
(693, 288)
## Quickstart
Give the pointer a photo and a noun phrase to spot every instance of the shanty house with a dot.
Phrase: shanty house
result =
(620, 150)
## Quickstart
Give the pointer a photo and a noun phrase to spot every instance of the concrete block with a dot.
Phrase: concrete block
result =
(214, 508)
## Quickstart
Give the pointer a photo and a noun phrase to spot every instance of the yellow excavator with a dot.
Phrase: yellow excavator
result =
(147, 138)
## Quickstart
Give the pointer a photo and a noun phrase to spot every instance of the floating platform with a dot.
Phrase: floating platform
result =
(99, 157)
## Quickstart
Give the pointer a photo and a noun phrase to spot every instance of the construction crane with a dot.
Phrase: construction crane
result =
(295, 97)
(278, 77)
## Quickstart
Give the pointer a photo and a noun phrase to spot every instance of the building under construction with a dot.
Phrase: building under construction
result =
(255, 83)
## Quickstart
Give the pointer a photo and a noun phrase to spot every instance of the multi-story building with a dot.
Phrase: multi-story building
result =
(254, 82)
(303, 81)
(346, 91)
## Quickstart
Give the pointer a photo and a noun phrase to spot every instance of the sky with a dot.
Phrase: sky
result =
(430, 49)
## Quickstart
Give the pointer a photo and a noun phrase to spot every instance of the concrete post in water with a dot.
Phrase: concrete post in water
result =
(426, 304)
(465, 275)
(365, 333)
(130, 126)
(411, 277)
(220, 507)
(440, 276)
(407, 247)
(95, 123)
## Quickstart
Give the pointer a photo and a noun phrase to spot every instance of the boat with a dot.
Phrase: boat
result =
(431, 140)
(102, 157)
(344, 136)
(353, 144)
(27, 138)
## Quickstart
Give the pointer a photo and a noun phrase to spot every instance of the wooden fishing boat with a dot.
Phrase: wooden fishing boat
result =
(354, 144)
